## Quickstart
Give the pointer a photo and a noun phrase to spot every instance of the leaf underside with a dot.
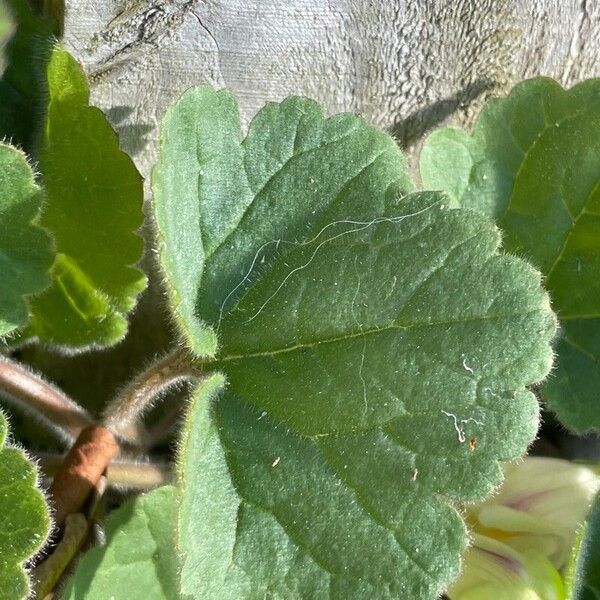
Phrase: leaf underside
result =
(376, 349)
(533, 163)
(24, 519)
(94, 206)
(25, 248)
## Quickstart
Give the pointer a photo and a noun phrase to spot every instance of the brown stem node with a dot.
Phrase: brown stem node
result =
(81, 469)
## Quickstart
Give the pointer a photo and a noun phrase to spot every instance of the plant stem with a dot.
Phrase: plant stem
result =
(48, 403)
(139, 395)
(126, 473)
(47, 574)
(81, 469)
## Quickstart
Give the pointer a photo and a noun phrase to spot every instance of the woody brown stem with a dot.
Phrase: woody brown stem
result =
(48, 403)
(81, 469)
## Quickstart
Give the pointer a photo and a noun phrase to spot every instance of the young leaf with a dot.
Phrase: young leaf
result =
(583, 576)
(138, 560)
(25, 248)
(533, 163)
(94, 206)
(376, 350)
(23, 90)
(218, 199)
(24, 519)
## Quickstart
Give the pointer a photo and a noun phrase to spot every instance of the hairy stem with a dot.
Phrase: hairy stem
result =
(123, 473)
(31, 393)
(139, 395)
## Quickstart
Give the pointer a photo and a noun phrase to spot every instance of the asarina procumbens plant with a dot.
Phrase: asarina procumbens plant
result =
(364, 356)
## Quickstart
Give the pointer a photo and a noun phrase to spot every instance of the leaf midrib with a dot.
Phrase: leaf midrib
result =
(360, 334)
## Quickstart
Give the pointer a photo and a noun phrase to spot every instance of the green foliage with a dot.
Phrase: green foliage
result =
(533, 163)
(217, 199)
(138, 560)
(94, 206)
(25, 248)
(24, 519)
(584, 573)
(365, 338)
(22, 85)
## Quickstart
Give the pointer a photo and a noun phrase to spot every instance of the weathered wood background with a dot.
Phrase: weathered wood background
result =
(404, 65)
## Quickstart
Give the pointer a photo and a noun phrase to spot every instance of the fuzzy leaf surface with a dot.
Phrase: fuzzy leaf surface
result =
(24, 518)
(138, 561)
(94, 206)
(26, 252)
(218, 198)
(533, 163)
(349, 342)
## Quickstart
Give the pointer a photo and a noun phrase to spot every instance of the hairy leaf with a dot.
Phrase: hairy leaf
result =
(583, 576)
(24, 518)
(23, 89)
(138, 560)
(94, 206)
(25, 248)
(533, 163)
(218, 198)
(376, 349)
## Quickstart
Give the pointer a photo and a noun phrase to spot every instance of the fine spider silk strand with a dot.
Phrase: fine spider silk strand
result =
(362, 225)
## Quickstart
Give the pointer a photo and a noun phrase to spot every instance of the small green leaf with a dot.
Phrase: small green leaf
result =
(94, 206)
(138, 560)
(25, 248)
(583, 575)
(376, 349)
(23, 90)
(533, 163)
(24, 518)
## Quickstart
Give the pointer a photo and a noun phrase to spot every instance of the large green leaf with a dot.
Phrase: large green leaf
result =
(376, 350)
(94, 206)
(25, 248)
(218, 199)
(533, 163)
(24, 518)
(138, 560)
(583, 574)
(23, 89)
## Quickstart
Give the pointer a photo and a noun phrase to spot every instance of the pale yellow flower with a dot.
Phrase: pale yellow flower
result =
(522, 536)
